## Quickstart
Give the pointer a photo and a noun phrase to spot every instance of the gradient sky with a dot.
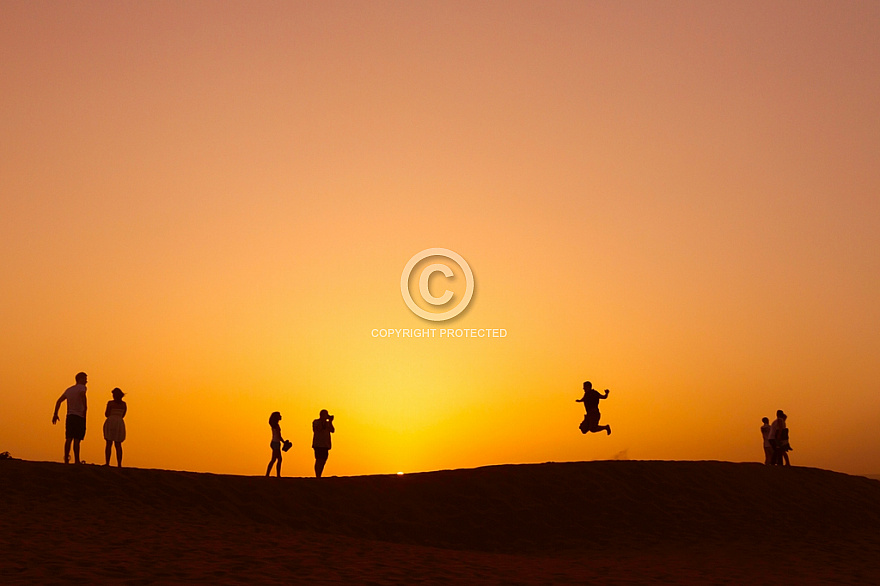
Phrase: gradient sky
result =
(209, 205)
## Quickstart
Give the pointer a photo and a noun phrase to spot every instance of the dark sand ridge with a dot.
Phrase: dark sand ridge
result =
(687, 521)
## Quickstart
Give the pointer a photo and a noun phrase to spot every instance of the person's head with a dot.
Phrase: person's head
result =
(82, 378)
(780, 414)
(324, 414)
(784, 416)
(588, 386)
(117, 394)
(765, 420)
(274, 418)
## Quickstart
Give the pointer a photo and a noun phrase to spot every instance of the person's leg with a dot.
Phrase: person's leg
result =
(593, 423)
(107, 452)
(276, 457)
(785, 459)
(319, 467)
(768, 456)
(278, 465)
(67, 443)
(76, 450)
(118, 453)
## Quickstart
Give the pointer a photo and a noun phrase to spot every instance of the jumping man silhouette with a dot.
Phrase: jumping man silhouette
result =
(591, 404)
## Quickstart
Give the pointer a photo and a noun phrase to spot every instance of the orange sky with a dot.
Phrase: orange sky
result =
(210, 204)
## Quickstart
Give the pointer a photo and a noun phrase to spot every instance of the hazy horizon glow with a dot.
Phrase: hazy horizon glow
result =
(209, 205)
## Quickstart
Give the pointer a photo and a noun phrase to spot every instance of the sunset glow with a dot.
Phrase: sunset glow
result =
(210, 205)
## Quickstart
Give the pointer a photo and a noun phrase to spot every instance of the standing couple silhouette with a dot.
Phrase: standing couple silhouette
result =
(75, 422)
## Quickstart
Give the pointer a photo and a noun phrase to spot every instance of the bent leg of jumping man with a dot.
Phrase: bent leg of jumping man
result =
(593, 423)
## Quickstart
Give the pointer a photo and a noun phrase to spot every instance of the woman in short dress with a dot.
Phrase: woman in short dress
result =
(275, 444)
(114, 426)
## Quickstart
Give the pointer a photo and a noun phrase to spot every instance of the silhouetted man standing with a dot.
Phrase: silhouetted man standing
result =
(777, 432)
(321, 441)
(768, 449)
(591, 404)
(75, 424)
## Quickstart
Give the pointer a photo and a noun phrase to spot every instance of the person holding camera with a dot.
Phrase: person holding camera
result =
(275, 444)
(321, 443)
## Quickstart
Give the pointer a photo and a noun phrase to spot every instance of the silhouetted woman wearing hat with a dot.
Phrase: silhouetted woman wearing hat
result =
(114, 426)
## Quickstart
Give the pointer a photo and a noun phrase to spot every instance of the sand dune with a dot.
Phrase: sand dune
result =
(609, 522)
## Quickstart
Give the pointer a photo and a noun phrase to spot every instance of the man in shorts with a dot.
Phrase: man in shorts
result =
(591, 404)
(75, 424)
(322, 428)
